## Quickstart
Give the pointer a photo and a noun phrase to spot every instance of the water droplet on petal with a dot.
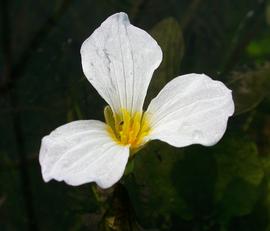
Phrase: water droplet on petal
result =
(197, 135)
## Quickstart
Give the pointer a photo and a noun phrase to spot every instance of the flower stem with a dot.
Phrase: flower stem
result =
(116, 208)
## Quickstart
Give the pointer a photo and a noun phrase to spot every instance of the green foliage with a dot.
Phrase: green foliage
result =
(168, 35)
(267, 12)
(259, 48)
(153, 174)
(209, 187)
(225, 187)
(237, 158)
(239, 170)
(249, 87)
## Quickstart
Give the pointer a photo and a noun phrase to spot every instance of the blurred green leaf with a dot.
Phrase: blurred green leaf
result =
(239, 198)
(236, 203)
(168, 35)
(267, 12)
(249, 88)
(155, 194)
(237, 158)
(258, 48)
(265, 160)
(240, 175)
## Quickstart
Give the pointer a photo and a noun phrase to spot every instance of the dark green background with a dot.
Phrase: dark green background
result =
(224, 187)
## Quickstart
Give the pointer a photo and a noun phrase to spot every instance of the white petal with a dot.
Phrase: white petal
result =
(119, 59)
(191, 109)
(81, 152)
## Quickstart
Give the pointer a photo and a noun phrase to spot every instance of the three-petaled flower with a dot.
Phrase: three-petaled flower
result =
(119, 60)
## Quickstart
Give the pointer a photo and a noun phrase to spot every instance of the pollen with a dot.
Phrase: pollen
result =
(127, 128)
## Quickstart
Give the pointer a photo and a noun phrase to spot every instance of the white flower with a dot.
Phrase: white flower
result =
(119, 59)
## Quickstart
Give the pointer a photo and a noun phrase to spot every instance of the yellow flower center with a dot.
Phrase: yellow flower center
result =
(126, 128)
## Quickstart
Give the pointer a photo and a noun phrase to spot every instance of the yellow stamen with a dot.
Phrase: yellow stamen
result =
(126, 128)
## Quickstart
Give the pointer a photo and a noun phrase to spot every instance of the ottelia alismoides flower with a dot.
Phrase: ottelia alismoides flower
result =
(119, 59)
